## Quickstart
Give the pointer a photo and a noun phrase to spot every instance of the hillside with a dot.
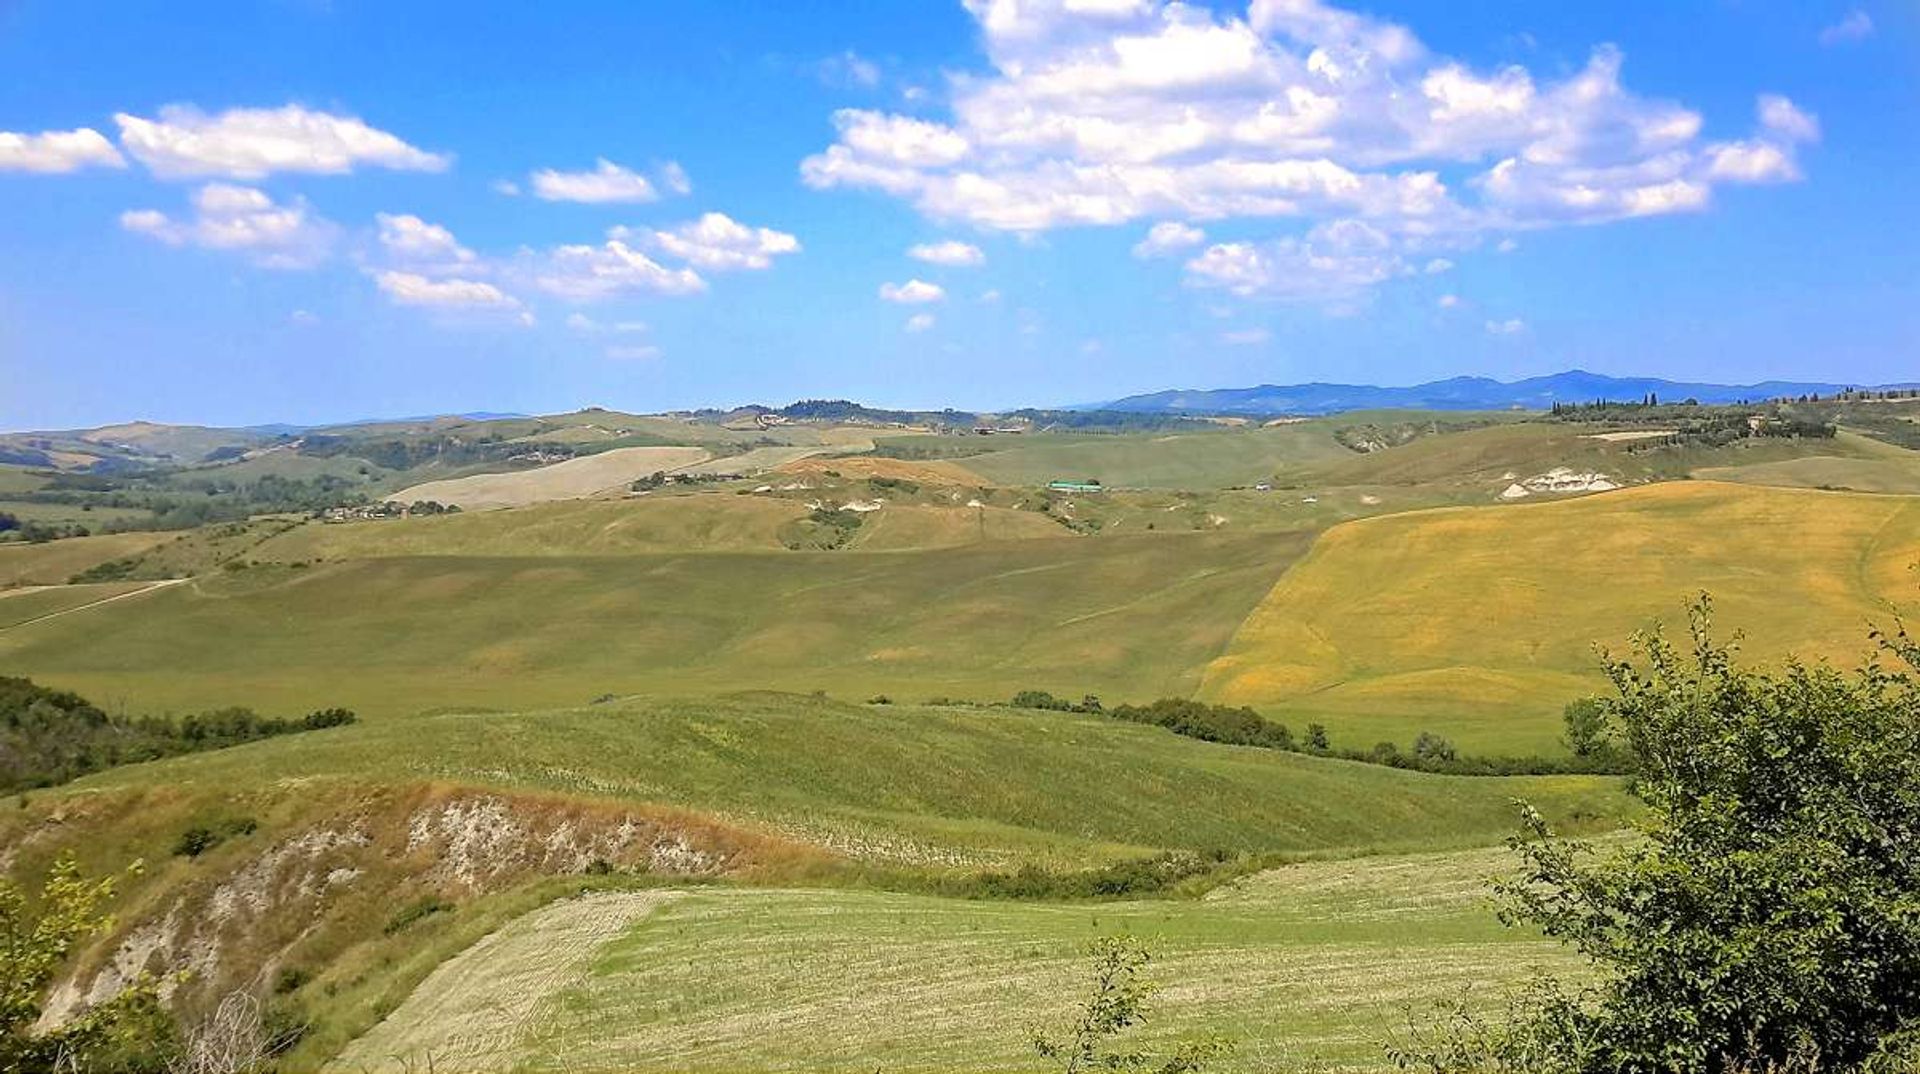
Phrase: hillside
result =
(1483, 623)
(1460, 393)
(1133, 617)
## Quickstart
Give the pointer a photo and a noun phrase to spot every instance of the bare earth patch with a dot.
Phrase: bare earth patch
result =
(1630, 434)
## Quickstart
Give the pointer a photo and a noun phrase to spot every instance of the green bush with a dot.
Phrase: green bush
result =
(1770, 920)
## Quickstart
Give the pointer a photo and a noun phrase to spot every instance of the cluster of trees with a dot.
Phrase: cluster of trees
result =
(13, 528)
(51, 736)
(1692, 423)
(176, 501)
(1242, 726)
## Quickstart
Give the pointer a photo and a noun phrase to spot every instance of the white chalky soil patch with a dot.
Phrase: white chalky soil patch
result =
(473, 1012)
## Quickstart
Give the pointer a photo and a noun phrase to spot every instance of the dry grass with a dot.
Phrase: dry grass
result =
(568, 480)
(1481, 623)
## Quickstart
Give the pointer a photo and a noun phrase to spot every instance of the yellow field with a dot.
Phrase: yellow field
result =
(1481, 623)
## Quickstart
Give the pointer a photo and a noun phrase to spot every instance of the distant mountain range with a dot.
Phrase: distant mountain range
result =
(1456, 393)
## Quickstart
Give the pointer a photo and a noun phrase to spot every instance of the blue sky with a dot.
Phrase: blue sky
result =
(308, 211)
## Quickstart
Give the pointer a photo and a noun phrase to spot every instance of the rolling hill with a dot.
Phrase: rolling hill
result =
(1483, 623)
(1458, 393)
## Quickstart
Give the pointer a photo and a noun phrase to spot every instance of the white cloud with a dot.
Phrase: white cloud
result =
(607, 183)
(303, 317)
(408, 240)
(991, 294)
(1334, 263)
(1246, 337)
(1512, 326)
(913, 292)
(639, 352)
(1506, 246)
(583, 273)
(412, 289)
(920, 322)
(57, 152)
(849, 68)
(1437, 266)
(951, 252)
(1856, 25)
(716, 242)
(253, 143)
(1782, 117)
(1448, 302)
(1168, 236)
(1106, 112)
(675, 178)
(1752, 162)
(245, 221)
(505, 187)
(585, 325)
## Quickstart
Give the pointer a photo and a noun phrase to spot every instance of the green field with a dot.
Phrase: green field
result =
(1482, 623)
(1127, 617)
(1196, 459)
(909, 784)
(1307, 965)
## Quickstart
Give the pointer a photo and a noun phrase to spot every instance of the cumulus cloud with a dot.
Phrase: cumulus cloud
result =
(715, 242)
(408, 240)
(1856, 25)
(913, 292)
(1168, 236)
(57, 152)
(608, 183)
(1512, 326)
(245, 221)
(412, 289)
(582, 273)
(1333, 263)
(253, 143)
(1437, 266)
(952, 252)
(1782, 117)
(1447, 302)
(920, 322)
(1105, 112)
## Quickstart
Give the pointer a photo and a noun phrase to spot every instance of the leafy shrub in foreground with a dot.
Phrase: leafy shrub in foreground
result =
(1770, 920)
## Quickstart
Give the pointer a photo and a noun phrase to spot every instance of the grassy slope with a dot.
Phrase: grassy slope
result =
(1313, 963)
(571, 479)
(910, 785)
(1203, 459)
(1125, 617)
(54, 562)
(1863, 465)
(1485, 457)
(1481, 623)
(654, 523)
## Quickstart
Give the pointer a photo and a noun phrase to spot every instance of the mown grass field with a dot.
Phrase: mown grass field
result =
(1481, 624)
(1126, 617)
(1303, 966)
